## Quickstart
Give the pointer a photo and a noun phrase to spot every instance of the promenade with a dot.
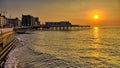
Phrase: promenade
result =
(4, 30)
(7, 41)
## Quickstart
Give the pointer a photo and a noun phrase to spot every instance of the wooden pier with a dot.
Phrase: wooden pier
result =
(65, 27)
(60, 26)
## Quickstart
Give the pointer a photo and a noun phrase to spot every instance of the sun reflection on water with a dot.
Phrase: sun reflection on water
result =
(96, 32)
(96, 35)
(96, 45)
(96, 40)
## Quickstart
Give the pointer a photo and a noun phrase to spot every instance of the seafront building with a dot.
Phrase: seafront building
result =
(13, 22)
(29, 20)
(2, 20)
(37, 22)
(9, 22)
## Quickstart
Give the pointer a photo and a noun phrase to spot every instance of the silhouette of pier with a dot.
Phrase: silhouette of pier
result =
(60, 27)
(63, 25)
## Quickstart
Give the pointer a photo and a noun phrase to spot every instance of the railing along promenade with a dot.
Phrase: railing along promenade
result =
(7, 41)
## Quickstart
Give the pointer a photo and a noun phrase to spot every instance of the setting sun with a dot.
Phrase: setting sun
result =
(96, 17)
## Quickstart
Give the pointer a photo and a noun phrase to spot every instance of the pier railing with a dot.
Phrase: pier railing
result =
(4, 30)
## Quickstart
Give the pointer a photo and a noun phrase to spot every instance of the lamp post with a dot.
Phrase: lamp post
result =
(1, 25)
(0, 29)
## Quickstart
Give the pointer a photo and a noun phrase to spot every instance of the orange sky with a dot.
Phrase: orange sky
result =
(76, 11)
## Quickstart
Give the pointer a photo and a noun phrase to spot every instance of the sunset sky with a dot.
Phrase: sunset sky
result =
(76, 11)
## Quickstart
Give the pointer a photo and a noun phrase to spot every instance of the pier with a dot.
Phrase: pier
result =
(7, 41)
(61, 26)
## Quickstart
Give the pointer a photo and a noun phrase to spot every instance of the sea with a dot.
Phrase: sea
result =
(86, 48)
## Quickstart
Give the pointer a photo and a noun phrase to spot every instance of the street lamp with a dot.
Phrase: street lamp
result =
(0, 30)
